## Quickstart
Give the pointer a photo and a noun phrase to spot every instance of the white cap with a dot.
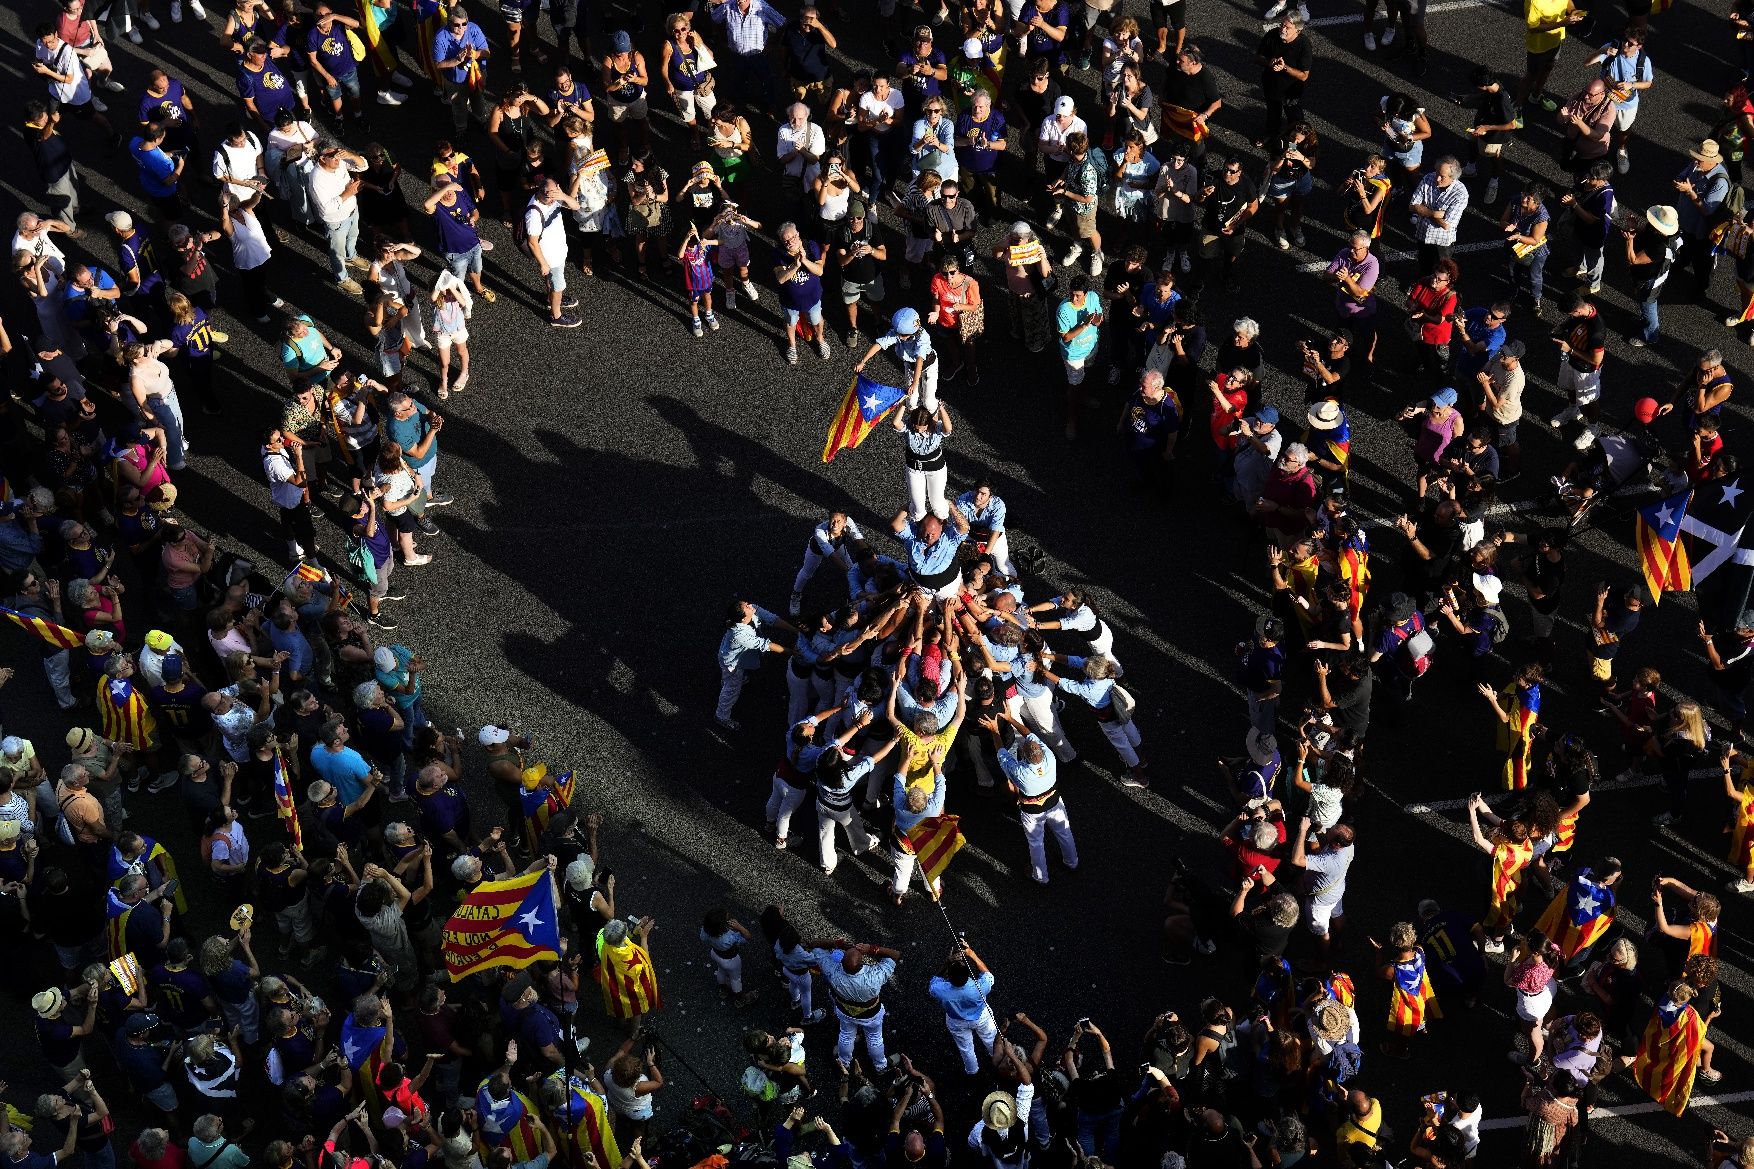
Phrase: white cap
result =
(120, 220)
(1489, 587)
(1065, 106)
(973, 49)
(492, 736)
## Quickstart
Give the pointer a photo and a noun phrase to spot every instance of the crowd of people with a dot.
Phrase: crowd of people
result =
(1060, 154)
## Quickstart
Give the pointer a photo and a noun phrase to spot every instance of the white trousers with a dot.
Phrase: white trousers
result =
(1033, 825)
(727, 972)
(927, 394)
(813, 560)
(999, 548)
(904, 870)
(872, 1029)
(849, 819)
(730, 686)
(801, 988)
(781, 803)
(925, 489)
(963, 1032)
(805, 696)
(1039, 715)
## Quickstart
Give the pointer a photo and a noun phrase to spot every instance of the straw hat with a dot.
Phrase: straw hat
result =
(1664, 219)
(999, 1110)
(1331, 1023)
(1707, 152)
(1324, 415)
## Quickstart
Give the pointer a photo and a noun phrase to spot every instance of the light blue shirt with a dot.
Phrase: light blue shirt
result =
(908, 349)
(1620, 70)
(1029, 683)
(991, 516)
(1031, 780)
(1096, 693)
(860, 987)
(906, 705)
(824, 543)
(966, 1002)
(929, 559)
(742, 637)
(906, 821)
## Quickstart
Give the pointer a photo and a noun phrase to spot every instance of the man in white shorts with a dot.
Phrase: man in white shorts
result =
(545, 236)
(1324, 880)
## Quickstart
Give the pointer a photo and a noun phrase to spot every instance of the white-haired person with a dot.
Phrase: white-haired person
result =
(1097, 689)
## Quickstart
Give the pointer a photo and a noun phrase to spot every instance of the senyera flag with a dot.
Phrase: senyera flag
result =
(864, 406)
(37, 627)
(935, 841)
(503, 923)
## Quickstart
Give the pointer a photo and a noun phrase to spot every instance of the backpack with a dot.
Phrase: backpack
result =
(1416, 646)
(521, 230)
(1500, 625)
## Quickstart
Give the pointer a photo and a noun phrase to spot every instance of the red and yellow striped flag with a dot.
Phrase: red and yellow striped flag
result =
(1668, 1055)
(935, 841)
(57, 635)
(503, 923)
(123, 714)
(864, 406)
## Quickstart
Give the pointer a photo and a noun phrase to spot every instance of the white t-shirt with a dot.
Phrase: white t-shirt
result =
(884, 111)
(809, 138)
(1053, 136)
(326, 188)
(65, 61)
(277, 466)
(43, 248)
(238, 162)
(545, 223)
(249, 243)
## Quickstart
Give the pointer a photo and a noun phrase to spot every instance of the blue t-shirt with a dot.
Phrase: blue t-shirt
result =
(268, 88)
(803, 291)
(157, 169)
(332, 52)
(167, 109)
(346, 769)
(1477, 330)
(456, 234)
(297, 646)
(407, 432)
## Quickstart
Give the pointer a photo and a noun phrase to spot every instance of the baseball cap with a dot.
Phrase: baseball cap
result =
(1064, 106)
(393, 1117)
(138, 1023)
(1444, 397)
(172, 667)
(1489, 587)
(11, 745)
(855, 208)
(493, 736)
(159, 641)
(973, 49)
(514, 989)
(580, 873)
(621, 42)
(120, 220)
(1268, 414)
(384, 658)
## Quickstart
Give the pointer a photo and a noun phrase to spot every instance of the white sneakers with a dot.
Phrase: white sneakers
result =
(176, 11)
(150, 21)
(390, 98)
(195, 10)
(1275, 12)
(1369, 42)
(1096, 263)
(1388, 36)
(1072, 255)
(750, 291)
(1492, 190)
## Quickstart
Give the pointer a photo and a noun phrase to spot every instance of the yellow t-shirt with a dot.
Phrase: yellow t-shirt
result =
(925, 756)
(1362, 1133)
(1541, 12)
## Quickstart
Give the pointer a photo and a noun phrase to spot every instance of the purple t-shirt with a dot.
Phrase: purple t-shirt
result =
(270, 89)
(803, 291)
(1365, 273)
(167, 109)
(456, 233)
(331, 50)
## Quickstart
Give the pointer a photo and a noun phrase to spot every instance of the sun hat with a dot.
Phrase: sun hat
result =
(1331, 1022)
(1324, 415)
(1707, 152)
(1489, 587)
(48, 1004)
(999, 1110)
(1664, 219)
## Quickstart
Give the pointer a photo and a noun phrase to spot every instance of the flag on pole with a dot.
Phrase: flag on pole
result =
(1661, 551)
(57, 635)
(503, 923)
(284, 803)
(864, 406)
(935, 840)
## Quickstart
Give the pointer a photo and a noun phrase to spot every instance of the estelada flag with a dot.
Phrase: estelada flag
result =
(1579, 916)
(1661, 551)
(1668, 1054)
(123, 715)
(864, 406)
(56, 635)
(1413, 1000)
(284, 803)
(935, 840)
(629, 982)
(503, 923)
(541, 798)
(581, 1123)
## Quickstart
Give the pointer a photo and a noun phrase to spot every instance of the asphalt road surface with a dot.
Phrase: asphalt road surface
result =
(617, 484)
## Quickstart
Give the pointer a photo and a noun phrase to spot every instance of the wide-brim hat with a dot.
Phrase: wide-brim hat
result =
(1331, 1022)
(1707, 152)
(1664, 219)
(1324, 415)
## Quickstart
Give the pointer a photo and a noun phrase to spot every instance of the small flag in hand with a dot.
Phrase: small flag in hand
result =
(934, 842)
(864, 406)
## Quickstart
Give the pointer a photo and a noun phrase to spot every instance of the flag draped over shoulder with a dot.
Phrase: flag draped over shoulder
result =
(1579, 916)
(864, 406)
(155, 862)
(1661, 551)
(541, 797)
(1668, 1055)
(360, 1044)
(628, 978)
(503, 923)
(56, 635)
(284, 803)
(1413, 999)
(123, 714)
(509, 1123)
(935, 840)
(581, 1124)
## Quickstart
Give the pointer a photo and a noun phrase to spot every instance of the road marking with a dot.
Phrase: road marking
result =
(1358, 17)
(1610, 785)
(1625, 1110)
(1403, 257)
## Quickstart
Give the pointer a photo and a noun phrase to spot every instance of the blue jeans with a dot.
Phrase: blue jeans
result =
(1531, 270)
(1100, 1135)
(169, 413)
(413, 718)
(343, 244)
(745, 72)
(1652, 326)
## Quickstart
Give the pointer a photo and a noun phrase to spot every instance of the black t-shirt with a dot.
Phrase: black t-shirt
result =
(1036, 106)
(1586, 336)
(1227, 201)
(1296, 55)
(1098, 1093)
(1268, 939)
(1315, 389)
(863, 269)
(1496, 109)
(1548, 576)
(1352, 704)
(1233, 356)
(1194, 92)
(1442, 542)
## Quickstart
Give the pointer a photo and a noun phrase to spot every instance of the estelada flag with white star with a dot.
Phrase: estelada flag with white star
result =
(503, 923)
(864, 406)
(1716, 524)
(1579, 916)
(1661, 551)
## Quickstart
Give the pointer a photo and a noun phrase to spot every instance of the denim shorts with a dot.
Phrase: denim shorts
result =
(462, 264)
(349, 84)
(814, 312)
